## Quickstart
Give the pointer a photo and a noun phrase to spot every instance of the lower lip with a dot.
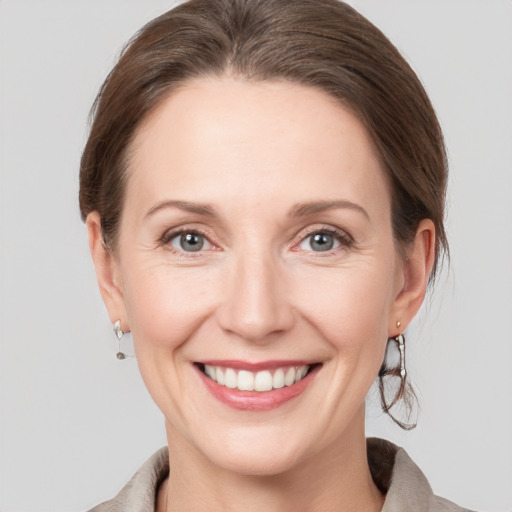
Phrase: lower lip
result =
(256, 400)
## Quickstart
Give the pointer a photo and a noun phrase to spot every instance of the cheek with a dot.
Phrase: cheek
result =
(165, 306)
(350, 305)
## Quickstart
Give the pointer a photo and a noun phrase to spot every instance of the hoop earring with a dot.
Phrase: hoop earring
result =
(404, 391)
(119, 334)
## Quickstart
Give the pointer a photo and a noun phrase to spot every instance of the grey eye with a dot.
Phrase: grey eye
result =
(190, 242)
(319, 242)
(322, 242)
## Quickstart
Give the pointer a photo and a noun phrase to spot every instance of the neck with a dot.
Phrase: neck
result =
(338, 478)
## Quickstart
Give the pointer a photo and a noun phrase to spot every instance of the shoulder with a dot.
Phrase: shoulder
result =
(404, 484)
(139, 494)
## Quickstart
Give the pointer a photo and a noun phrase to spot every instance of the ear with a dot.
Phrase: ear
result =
(107, 272)
(415, 273)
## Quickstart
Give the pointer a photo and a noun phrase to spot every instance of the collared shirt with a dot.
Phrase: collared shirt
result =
(395, 474)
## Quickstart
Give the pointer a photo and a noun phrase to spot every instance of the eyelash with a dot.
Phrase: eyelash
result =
(345, 240)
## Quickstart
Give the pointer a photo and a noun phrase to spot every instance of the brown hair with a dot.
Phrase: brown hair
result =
(320, 43)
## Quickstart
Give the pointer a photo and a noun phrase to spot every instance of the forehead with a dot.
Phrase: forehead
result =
(220, 138)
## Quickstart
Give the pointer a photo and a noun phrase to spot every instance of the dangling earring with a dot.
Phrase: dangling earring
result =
(119, 334)
(404, 391)
(401, 347)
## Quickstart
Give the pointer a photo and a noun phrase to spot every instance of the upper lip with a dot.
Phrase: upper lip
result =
(257, 366)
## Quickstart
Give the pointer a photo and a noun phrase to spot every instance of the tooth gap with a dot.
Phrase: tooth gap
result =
(312, 367)
(202, 367)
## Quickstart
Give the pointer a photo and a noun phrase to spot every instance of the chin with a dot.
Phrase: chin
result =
(258, 459)
(259, 450)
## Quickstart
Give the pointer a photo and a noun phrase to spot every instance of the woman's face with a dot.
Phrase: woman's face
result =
(256, 245)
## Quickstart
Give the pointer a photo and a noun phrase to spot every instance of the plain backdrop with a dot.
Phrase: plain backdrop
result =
(75, 423)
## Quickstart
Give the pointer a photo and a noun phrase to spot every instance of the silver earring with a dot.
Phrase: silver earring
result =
(402, 392)
(119, 334)
(401, 348)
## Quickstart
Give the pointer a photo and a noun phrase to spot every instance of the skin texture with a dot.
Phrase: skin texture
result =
(258, 291)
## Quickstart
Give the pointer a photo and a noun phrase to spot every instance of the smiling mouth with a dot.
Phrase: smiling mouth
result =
(259, 381)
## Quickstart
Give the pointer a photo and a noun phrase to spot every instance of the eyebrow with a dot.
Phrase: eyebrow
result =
(309, 208)
(198, 208)
(298, 210)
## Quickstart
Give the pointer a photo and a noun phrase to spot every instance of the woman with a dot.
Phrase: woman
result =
(263, 189)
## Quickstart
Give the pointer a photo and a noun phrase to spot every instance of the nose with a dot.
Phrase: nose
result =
(256, 304)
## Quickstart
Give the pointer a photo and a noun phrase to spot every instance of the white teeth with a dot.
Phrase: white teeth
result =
(230, 378)
(300, 374)
(245, 381)
(289, 378)
(263, 381)
(257, 381)
(278, 380)
(210, 371)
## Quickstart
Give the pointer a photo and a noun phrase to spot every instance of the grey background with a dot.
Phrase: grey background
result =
(75, 423)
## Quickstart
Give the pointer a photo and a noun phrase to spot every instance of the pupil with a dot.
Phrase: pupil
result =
(191, 242)
(322, 242)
